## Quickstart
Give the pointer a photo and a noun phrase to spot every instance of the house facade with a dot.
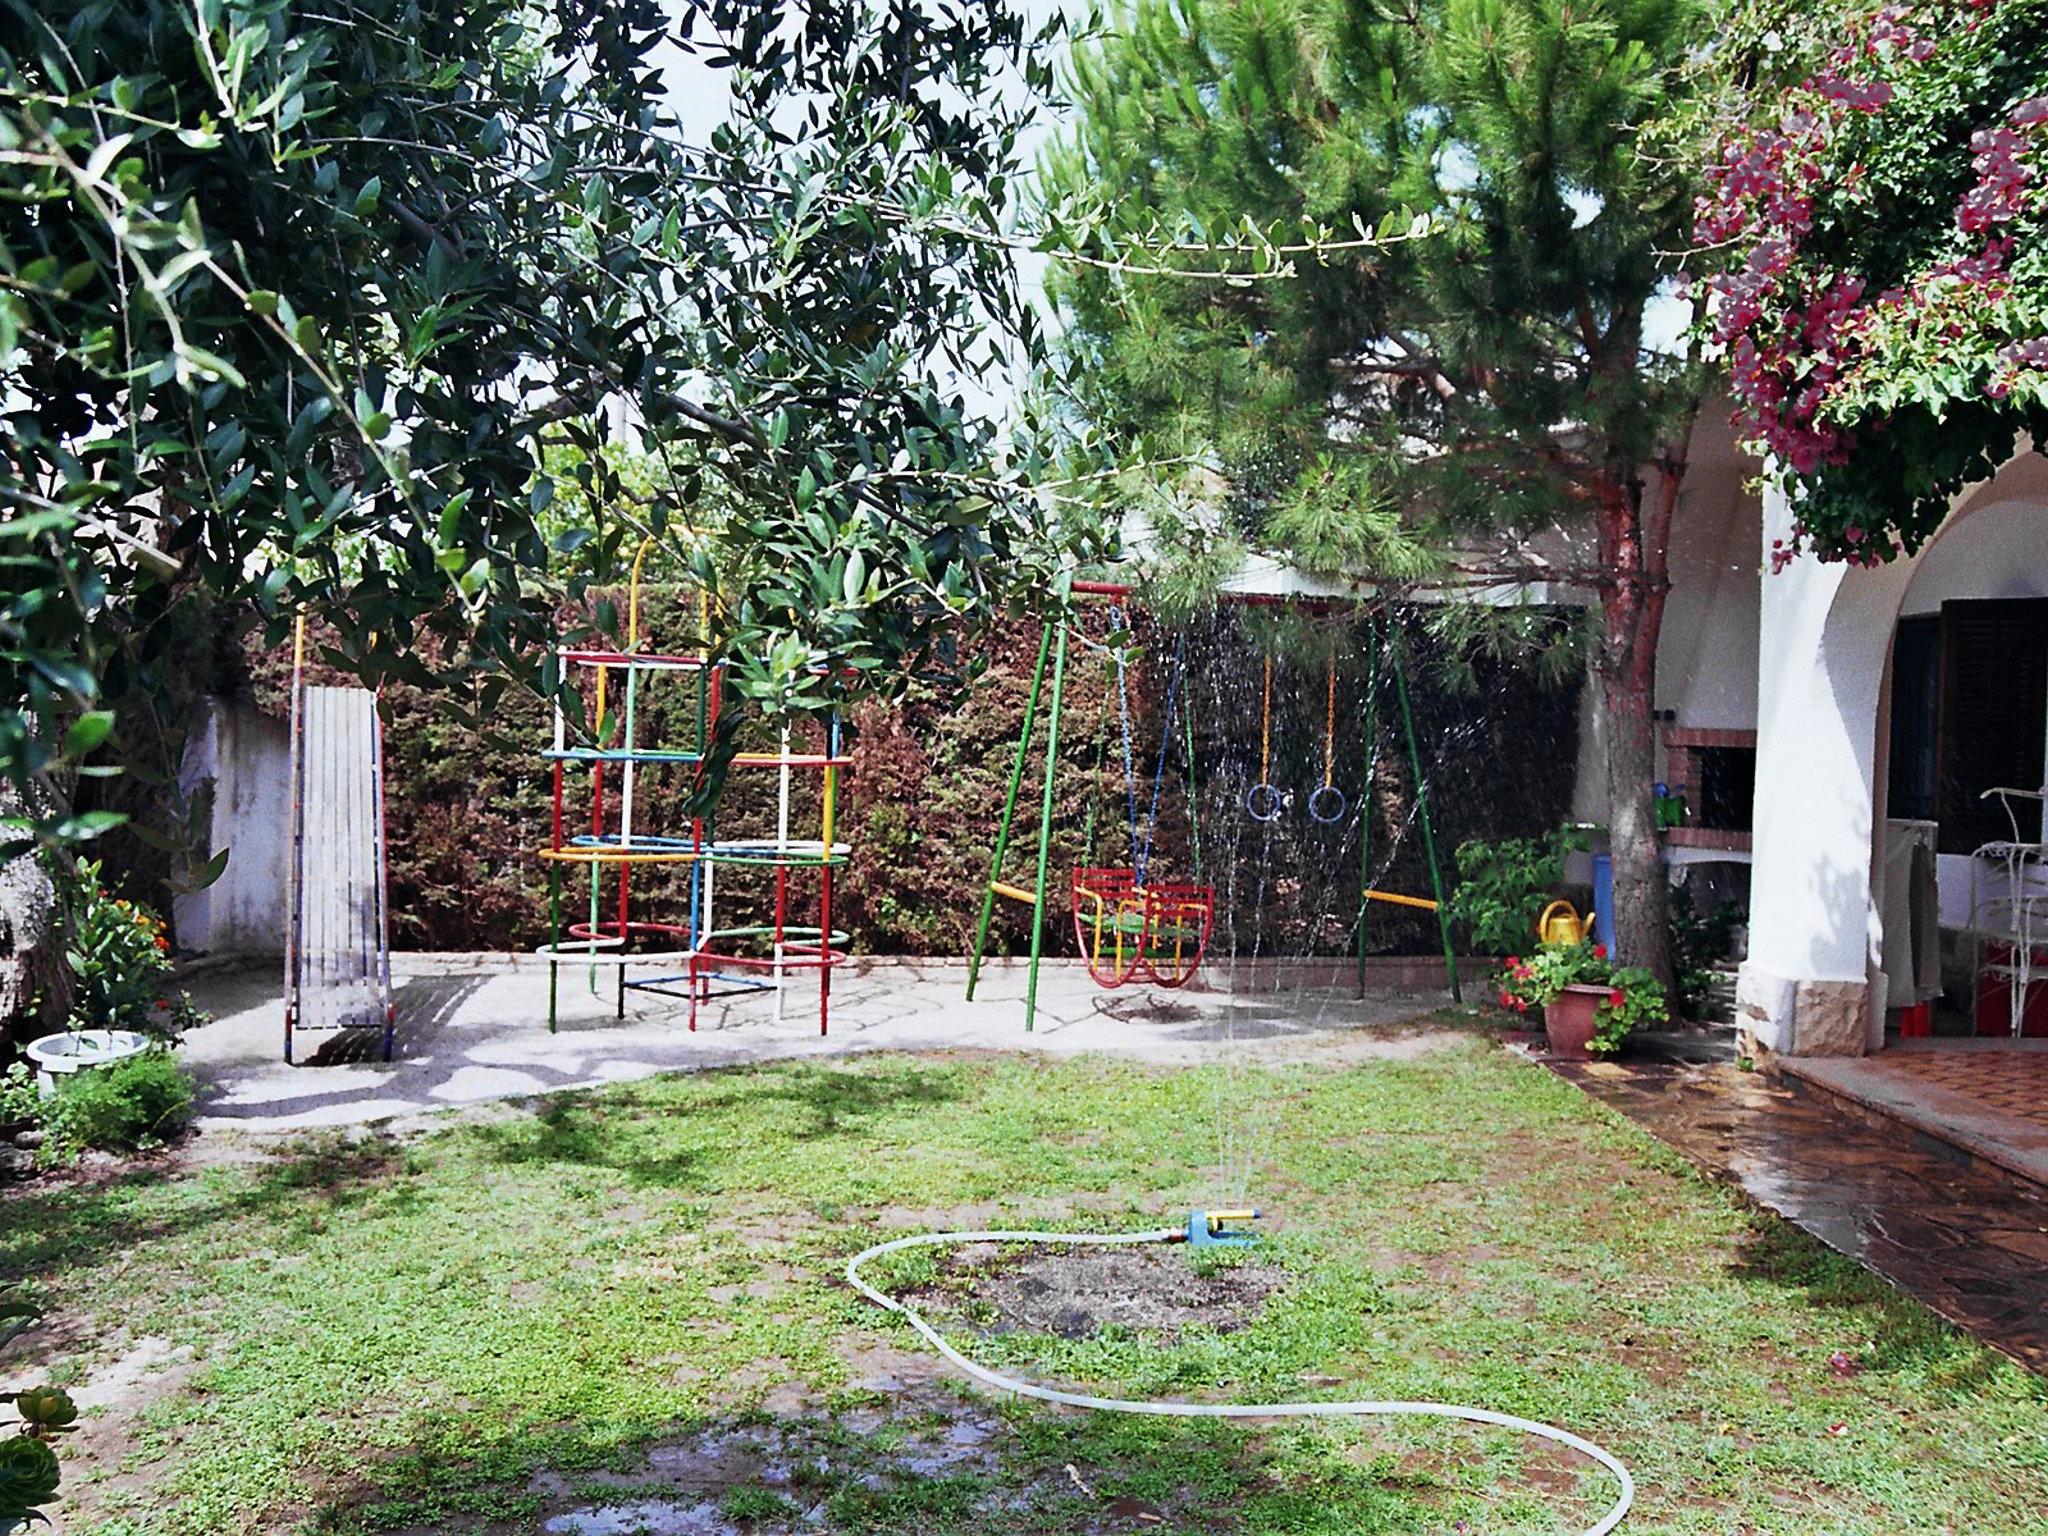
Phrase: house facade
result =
(1902, 717)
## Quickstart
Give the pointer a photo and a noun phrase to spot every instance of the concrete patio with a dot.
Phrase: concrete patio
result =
(473, 1028)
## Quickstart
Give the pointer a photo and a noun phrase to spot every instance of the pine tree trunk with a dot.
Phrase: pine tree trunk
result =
(1625, 699)
(1635, 533)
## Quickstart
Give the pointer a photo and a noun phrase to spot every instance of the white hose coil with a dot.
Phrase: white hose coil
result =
(1178, 1410)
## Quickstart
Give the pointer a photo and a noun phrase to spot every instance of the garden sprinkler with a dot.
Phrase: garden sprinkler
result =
(1213, 1229)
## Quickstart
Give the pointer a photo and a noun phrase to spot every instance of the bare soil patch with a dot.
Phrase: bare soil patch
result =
(1071, 1293)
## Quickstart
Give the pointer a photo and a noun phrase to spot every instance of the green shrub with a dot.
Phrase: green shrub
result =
(29, 1473)
(120, 958)
(1504, 886)
(20, 1100)
(134, 1104)
(1699, 945)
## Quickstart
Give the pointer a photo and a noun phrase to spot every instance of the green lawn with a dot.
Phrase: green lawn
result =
(508, 1322)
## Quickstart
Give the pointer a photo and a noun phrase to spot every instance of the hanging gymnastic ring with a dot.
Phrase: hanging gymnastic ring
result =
(1322, 797)
(1264, 803)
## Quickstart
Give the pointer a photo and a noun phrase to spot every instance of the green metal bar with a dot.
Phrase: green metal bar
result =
(554, 936)
(1052, 755)
(995, 865)
(1436, 874)
(1365, 796)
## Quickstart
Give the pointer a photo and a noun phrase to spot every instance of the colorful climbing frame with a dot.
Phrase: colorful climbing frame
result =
(689, 948)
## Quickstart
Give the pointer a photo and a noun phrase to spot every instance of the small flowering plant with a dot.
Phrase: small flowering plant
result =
(120, 960)
(1633, 994)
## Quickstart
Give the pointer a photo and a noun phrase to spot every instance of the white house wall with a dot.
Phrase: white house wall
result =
(247, 756)
(1812, 983)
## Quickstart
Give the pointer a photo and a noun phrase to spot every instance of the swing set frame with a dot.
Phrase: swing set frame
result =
(1113, 898)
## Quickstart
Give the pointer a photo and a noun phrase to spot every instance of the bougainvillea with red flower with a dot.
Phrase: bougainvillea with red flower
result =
(1880, 282)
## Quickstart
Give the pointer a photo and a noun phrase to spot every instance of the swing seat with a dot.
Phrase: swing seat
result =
(1109, 923)
(1178, 918)
(1155, 932)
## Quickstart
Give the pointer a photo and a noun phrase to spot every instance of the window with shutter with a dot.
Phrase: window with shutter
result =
(1916, 717)
(1994, 716)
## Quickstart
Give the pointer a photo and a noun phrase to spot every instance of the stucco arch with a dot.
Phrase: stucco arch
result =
(1824, 663)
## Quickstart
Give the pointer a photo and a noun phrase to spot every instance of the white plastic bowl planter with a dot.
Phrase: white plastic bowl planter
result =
(58, 1056)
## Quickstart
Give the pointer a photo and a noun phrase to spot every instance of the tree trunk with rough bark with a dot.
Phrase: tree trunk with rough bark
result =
(35, 986)
(1634, 535)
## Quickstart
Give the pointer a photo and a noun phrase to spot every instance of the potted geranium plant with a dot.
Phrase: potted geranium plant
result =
(1589, 1004)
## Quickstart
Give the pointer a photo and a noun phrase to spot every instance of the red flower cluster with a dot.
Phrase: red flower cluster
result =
(1794, 331)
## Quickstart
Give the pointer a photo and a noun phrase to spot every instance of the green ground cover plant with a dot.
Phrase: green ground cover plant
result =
(131, 1106)
(476, 1329)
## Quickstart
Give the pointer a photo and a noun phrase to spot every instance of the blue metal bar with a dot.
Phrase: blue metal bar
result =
(1159, 770)
(1123, 704)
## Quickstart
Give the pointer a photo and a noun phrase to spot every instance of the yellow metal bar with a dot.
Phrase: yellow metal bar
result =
(633, 596)
(1014, 892)
(1392, 899)
(831, 804)
(1222, 1218)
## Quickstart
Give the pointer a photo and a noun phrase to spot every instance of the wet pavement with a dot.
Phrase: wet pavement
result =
(1989, 1097)
(1966, 1238)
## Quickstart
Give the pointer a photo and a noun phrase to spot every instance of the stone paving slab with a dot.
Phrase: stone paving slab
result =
(1969, 1240)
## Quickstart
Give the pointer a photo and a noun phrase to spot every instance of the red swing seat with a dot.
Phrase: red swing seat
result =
(1155, 932)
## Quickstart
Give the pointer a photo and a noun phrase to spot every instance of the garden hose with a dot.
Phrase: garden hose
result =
(1179, 1410)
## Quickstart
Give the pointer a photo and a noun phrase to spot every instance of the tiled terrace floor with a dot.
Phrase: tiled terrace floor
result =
(1968, 1239)
(1987, 1097)
(2013, 1082)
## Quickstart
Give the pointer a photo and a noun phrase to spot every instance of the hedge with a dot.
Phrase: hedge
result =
(468, 808)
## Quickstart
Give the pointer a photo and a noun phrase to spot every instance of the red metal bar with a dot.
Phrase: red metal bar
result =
(623, 658)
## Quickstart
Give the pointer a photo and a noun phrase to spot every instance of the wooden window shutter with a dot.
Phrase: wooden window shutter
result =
(1994, 716)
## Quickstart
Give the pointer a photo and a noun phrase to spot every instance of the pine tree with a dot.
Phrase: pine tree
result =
(1418, 411)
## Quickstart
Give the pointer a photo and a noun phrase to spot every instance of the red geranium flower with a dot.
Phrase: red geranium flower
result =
(1616, 997)
(1599, 951)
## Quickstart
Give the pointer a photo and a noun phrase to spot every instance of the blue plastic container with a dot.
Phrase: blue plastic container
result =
(1603, 899)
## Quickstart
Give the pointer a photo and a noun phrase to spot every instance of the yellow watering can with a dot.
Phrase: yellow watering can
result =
(1561, 924)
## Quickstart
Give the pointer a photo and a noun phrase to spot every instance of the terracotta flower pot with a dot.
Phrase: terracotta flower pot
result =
(1568, 1021)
